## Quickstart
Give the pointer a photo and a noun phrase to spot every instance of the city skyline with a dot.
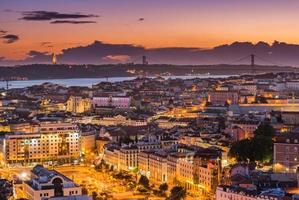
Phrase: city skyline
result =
(149, 100)
(50, 27)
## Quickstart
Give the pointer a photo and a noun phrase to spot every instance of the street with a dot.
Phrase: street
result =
(87, 176)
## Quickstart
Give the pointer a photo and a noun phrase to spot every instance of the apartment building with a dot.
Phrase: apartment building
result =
(237, 193)
(126, 157)
(109, 101)
(153, 164)
(292, 85)
(250, 87)
(52, 141)
(286, 153)
(223, 97)
(197, 171)
(227, 193)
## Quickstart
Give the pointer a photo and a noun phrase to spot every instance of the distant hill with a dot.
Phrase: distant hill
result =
(46, 71)
(277, 53)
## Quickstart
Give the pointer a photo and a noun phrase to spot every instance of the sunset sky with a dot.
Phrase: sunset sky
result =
(150, 23)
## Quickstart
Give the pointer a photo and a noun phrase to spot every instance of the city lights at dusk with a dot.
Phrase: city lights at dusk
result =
(149, 100)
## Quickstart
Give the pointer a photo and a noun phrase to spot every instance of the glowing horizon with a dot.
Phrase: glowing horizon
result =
(154, 24)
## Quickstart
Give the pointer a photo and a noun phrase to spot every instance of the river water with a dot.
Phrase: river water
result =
(90, 81)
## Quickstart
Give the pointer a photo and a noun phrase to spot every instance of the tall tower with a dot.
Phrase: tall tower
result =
(144, 61)
(252, 60)
(54, 59)
(252, 57)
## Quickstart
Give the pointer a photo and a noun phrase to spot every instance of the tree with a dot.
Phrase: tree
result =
(221, 123)
(264, 130)
(177, 193)
(144, 181)
(84, 191)
(94, 195)
(111, 168)
(257, 149)
(163, 188)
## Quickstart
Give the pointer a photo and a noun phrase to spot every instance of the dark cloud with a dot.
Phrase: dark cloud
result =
(2, 32)
(7, 37)
(141, 19)
(37, 53)
(37, 56)
(72, 22)
(49, 15)
(99, 52)
(105, 53)
(8, 10)
(45, 43)
(10, 38)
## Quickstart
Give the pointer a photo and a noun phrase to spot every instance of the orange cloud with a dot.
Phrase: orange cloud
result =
(119, 58)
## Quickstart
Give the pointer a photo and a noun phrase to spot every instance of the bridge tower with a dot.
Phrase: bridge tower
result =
(252, 59)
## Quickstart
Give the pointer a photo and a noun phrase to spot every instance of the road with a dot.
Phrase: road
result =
(86, 176)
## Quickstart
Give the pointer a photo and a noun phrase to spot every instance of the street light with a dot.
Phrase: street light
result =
(23, 176)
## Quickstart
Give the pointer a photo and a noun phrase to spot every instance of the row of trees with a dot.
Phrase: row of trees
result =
(256, 149)
(142, 185)
(176, 193)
